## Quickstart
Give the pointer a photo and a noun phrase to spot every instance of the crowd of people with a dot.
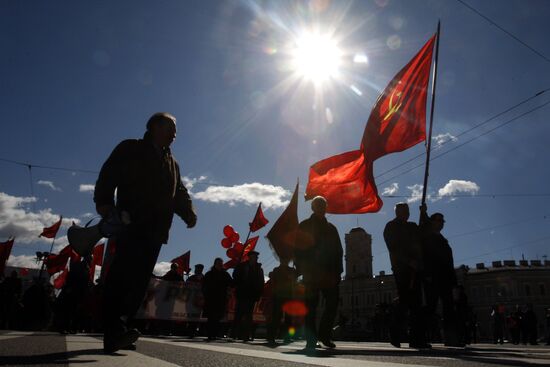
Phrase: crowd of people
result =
(149, 192)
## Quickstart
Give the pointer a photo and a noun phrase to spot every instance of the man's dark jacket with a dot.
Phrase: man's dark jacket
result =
(318, 253)
(149, 187)
(248, 280)
(404, 245)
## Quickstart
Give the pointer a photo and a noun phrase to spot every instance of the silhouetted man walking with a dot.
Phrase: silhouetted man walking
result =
(319, 259)
(404, 245)
(149, 191)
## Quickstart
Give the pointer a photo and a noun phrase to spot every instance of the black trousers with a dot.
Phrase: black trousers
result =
(128, 277)
(410, 302)
(330, 296)
(274, 326)
(443, 292)
(242, 325)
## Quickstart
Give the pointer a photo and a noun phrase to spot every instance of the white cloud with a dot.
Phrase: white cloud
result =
(249, 193)
(17, 220)
(23, 261)
(161, 268)
(416, 193)
(189, 182)
(49, 184)
(457, 186)
(86, 188)
(391, 190)
(443, 138)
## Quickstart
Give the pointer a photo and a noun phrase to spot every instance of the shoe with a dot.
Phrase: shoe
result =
(129, 347)
(420, 346)
(112, 343)
(328, 343)
(395, 343)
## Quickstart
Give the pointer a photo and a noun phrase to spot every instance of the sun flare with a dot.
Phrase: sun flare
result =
(316, 57)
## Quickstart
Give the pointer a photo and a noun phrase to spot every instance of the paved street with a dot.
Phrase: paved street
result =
(51, 349)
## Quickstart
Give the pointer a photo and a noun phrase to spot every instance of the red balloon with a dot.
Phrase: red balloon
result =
(228, 231)
(234, 237)
(226, 243)
(239, 247)
(231, 253)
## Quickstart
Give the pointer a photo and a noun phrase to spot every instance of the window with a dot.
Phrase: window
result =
(527, 289)
(542, 289)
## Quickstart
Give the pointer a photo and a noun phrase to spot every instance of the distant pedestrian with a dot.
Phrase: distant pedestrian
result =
(196, 279)
(248, 278)
(318, 258)
(497, 314)
(215, 287)
(197, 276)
(173, 274)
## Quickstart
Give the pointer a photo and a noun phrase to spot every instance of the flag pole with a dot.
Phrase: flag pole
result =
(429, 145)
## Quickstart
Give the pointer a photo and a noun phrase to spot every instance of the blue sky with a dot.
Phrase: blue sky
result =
(78, 77)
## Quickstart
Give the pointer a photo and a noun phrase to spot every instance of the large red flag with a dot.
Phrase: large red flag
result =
(51, 232)
(397, 122)
(259, 220)
(97, 259)
(55, 263)
(183, 262)
(250, 245)
(283, 233)
(5, 251)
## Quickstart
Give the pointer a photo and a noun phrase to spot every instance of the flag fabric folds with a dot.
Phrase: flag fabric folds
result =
(397, 122)
(55, 263)
(183, 262)
(259, 220)
(283, 233)
(51, 232)
(5, 251)
(97, 259)
(61, 279)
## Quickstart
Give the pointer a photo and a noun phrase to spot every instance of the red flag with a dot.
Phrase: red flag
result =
(59, 282)
(5, 251)
(51, 232)
(183, 263)
(56, 263)
(259, 220)
(397, 122)
(231, 263)
(283, 233)
(250, 245)
(97, 259)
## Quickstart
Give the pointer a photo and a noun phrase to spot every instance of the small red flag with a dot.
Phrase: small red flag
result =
(283, 233)
(51, 232)
(183, 263)
(59, 282)
(231, 263)
(97, 259)
(250, 245)
(397, 122)
(56, 263)
(5, 251)
(259, 220)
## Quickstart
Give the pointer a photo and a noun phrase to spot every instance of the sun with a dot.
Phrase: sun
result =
(316, 57)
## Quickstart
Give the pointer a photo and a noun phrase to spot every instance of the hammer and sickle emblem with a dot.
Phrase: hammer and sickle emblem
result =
(393, 108)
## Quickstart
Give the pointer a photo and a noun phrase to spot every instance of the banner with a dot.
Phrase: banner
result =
(181, 301)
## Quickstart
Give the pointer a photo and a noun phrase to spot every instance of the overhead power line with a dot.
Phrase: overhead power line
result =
(469, 141)
(470, 129)
(510, 34)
